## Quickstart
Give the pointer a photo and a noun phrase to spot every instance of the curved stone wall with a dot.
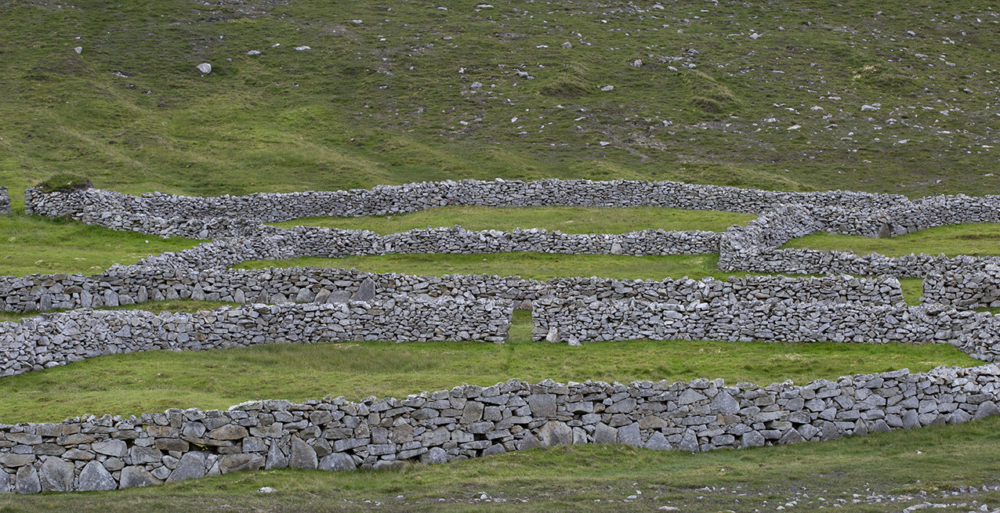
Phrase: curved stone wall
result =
(755, 246)
(469, 421)
(581, 320)
(93, 205)
(57, 339)
(105, 453)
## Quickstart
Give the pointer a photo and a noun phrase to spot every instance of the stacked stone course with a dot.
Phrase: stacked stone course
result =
(132, 285)
(590, 319)
(116, 210)
(105, 453)
(57, 339)
(4, 201)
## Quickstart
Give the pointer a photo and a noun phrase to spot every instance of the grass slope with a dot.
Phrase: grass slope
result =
(539, 266)
(564, 219)
(963, 239)
(767, 95)
(30, 244)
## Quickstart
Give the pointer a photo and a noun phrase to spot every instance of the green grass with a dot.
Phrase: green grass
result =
(564, 219)
(154, 381)
(384, 101)
(538, 266)
(30, 244)
(981, 239)
(573, 478)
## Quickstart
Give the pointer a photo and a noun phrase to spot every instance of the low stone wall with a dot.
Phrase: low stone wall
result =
(275, 243)
(755, 246)
(977, 334)
(105, 453)
(965, 289)
(4, 201)
(103, 206)
(56, 339)
(137, 284)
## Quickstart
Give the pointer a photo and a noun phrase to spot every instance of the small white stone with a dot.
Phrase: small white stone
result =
(78, 49)
(204, 67)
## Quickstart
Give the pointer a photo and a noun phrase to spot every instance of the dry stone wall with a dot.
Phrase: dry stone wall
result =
(94, 205)
(755, 247)
(4, 201)
(968, 289)
(590, 319)
(106, 453)
(56, 339)
(100, 453)
(132, 285)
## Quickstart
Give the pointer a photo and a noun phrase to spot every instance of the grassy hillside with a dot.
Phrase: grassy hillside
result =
(892, 96)
(768, 95)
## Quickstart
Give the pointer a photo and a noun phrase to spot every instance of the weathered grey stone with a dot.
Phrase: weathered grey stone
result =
(434, 456)
(139, 455)
(752, 439)
(689, 442)
(133, 476)
(690, 396)
(337, 461)
(242, 461)
(228, 432)
(987, 409)
(191, 466)
(275, 458)
(56, 475)
(555, 433)
(302, 455)
(27, 480)
(542, 405)
(6, 482)
(629, 435)
(724, 403)
(116, 448)
(605, 434)
(657, 442)
(95, 477)
(366, 292)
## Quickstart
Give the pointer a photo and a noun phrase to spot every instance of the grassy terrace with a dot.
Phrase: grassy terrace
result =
(539, 266)
(39, 245)
(564, 219)
(982, 239)
(154, 381)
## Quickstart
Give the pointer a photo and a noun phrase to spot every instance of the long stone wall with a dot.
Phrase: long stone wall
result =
(4, 201)
(56, 339)
(105, 453)
(93, 204)
(580, 320)
(135, 284)
(969, 289)
(755, 247)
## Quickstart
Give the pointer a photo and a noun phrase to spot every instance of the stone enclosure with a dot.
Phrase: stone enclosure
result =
(303, 305)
